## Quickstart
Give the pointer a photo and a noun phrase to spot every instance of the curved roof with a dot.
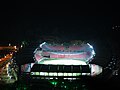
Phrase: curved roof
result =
(60, 51)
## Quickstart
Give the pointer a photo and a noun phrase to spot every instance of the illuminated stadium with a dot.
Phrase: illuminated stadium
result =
(66, 60)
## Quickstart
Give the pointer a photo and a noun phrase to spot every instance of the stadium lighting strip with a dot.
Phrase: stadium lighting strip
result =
(57, 74)
(95, 70)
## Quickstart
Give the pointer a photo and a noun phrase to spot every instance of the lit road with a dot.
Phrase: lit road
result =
(12, 48)
(7, 73)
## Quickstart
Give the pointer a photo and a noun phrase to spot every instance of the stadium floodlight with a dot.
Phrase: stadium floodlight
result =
(42, 44)
(93, 52)
(90, 45)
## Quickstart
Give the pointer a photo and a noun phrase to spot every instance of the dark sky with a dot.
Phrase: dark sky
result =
(29, 21)
(86, 21)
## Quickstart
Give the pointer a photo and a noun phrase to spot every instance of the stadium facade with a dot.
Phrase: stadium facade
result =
(66, 60)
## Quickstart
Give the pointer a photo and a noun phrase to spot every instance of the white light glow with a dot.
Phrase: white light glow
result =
(15, 47)
(70, 74)
(9, 44)
(90, 45)
(42, 73)
(93, 52)
(65, 74)
(46, 74)
(37, 73)
(32, 73)
(21, 46)
(95, 70)
(63, 62)
(51, 74)
(42, 44)
(60, 74)
(56, 74)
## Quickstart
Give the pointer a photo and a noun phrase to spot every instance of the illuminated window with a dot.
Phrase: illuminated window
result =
(51, 74)
(65, 74)
(42, 73)
(55, 74)
(78, 74)
(32, 73)
(74, 74)
(46, 74)
(69, 74)
(84, 73)
(37, 73)
(60, 74)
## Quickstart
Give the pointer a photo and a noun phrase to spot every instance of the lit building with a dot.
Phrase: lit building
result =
(63, 60)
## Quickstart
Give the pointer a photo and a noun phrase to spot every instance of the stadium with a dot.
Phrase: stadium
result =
(62, 60)
(66, 64)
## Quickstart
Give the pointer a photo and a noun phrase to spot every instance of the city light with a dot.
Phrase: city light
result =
(21, 46)
(53, 82)
(15, 47)
(9, 44)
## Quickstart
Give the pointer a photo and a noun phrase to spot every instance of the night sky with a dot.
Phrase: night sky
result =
(93, 22)
(31, 21)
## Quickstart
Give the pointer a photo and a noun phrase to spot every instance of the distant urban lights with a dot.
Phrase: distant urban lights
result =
(15, 47)
(21, 46)
(117, 27)
(113, 27)
(9, 44)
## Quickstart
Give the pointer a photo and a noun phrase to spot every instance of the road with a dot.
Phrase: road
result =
(7, 72)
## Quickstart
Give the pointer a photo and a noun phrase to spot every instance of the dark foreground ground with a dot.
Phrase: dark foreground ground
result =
(84, 84)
